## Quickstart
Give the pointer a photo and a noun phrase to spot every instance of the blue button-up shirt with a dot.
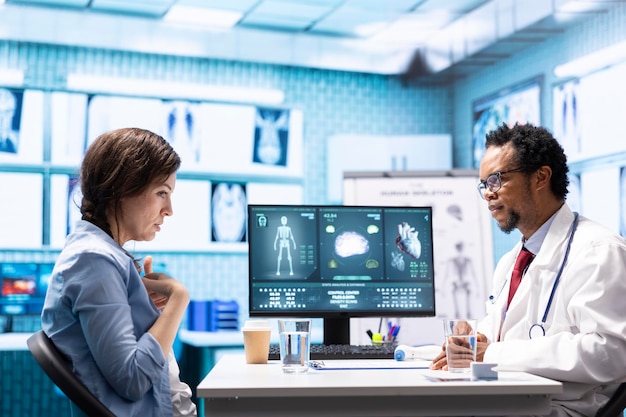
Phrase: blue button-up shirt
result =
(98, 312)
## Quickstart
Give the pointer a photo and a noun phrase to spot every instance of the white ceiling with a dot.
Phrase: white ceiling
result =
(411, 37)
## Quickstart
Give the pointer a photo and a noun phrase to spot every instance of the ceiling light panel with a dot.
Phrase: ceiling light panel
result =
(454, 6)
(275, 23)
(208, 18)
(156, 8)
(59, 3)
(384, 5)
(285, 15)
(236, 5)
(327, 3)
(355, 22)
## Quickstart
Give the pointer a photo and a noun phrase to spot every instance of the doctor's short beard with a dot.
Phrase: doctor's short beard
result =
(511, 222)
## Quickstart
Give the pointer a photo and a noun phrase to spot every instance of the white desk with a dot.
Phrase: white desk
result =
(14, 341)
(233, 388)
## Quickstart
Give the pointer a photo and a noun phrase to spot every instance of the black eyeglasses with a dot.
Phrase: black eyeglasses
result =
(493, 182)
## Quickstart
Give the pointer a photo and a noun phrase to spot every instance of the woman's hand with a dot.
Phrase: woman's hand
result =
(172, 298)
(160, 286)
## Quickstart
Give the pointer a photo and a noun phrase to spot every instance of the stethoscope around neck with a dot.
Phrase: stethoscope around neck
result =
(537, 329)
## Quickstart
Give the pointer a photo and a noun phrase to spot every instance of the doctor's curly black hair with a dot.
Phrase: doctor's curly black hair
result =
(535, 147)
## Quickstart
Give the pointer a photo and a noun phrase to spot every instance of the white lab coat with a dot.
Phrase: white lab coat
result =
(585, 341)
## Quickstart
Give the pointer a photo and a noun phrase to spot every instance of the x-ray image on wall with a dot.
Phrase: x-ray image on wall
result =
(228, 212)
(271, 137)
(566, 118)
(10, 117)
(622, 199)
(183, 130)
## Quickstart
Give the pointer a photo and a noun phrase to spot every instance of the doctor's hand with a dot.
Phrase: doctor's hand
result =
(481, 346)
(441, 361)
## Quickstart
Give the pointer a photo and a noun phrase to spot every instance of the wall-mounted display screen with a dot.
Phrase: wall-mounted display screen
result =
(21, 125)
(24, 287)
(518, 103)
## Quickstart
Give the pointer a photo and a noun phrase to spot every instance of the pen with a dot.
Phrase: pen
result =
(394, 332)
(370, 334)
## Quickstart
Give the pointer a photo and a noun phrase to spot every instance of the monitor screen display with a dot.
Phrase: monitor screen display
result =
(24, 286)
(519, 103)
(338, 262)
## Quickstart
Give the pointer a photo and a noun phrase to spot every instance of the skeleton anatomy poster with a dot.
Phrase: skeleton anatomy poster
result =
(462, 242)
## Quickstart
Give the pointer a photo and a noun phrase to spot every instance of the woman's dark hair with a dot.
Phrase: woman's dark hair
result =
(535, 147)
(122, 163)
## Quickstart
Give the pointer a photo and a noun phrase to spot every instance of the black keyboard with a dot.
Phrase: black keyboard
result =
(329, 352)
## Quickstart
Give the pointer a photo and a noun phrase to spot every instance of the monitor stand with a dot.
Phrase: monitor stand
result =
(337, 331)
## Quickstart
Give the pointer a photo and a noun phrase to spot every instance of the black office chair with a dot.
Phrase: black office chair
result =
(616, 405)
(60, 372)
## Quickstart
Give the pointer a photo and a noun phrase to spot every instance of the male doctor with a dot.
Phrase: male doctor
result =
(567, 318)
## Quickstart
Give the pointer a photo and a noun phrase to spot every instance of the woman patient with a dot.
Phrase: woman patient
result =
(115, 326)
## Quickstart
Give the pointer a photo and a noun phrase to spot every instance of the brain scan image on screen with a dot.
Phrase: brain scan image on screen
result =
(352, 244)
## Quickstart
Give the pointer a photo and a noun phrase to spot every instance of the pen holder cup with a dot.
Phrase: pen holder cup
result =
(384, 342)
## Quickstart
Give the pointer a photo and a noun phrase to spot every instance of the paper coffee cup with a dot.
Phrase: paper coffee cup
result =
(256, 340)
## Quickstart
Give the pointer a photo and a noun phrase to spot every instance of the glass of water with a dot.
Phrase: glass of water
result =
(295, 345)
(460, 344)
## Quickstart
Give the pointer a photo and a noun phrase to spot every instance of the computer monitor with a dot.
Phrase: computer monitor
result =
(339, 262)
(24, 286)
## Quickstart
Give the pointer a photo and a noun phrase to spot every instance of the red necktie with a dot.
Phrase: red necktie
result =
(521, 263)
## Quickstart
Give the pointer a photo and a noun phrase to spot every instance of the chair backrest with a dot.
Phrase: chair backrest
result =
(60, 372)
(616, 405)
